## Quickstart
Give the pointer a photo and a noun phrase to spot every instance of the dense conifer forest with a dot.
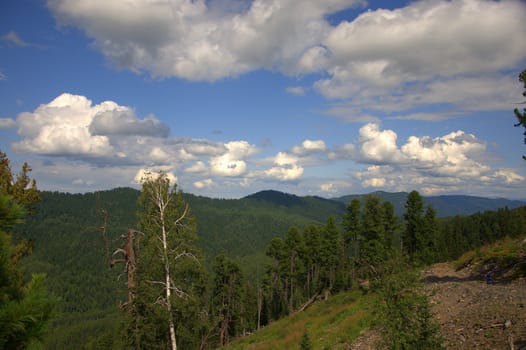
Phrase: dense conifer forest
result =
(261, 260)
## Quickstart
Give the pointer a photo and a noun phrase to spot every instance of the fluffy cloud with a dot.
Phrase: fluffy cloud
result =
(412, 43)
(378, 146)
(451, 163)
(74, 127)
(61, 127)
(71, 125)
(197, 40)
(231, 163)
(200, 40)
(285, 167)
(430, 52)
(395, 60)
(309, 147)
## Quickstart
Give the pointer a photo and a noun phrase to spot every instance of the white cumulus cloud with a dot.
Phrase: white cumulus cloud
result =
(455, 162)
(232, 162)
(198, 41)
(285, 167)
(378, 145)
(61, 127)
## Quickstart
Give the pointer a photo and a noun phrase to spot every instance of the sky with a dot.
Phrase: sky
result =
(230, 97)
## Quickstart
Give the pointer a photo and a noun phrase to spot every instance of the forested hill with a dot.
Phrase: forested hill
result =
(448, 205)
(69, 248)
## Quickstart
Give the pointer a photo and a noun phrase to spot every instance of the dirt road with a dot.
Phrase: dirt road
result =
(474, 314)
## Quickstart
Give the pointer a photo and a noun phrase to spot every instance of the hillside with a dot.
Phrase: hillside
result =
(68, 246)
(448, 205)
(472, 313)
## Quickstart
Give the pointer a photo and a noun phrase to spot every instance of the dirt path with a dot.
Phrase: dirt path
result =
(474, 314)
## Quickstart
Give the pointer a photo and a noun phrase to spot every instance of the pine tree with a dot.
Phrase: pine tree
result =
(227, 298)
(330, 249)
(372, 247)
(25, 309)
(278, 278)
(295, 247)
(312, 258)
(352, 235)
(414, 224)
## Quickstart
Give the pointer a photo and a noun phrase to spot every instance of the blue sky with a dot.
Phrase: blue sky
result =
(231, 97)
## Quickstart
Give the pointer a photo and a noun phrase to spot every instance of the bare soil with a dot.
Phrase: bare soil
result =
(472, 313)
(475, 314)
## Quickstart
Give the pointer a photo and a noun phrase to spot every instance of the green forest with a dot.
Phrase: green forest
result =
(161, 269)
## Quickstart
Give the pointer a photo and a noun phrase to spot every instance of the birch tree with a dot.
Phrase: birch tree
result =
(167, 265)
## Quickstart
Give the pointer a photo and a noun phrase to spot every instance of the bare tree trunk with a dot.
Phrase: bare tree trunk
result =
(260, 302)
(161, 204)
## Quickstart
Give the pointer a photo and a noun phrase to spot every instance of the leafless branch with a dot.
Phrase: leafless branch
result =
(182, 216)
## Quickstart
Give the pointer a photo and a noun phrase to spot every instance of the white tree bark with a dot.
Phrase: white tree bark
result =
(162, 202)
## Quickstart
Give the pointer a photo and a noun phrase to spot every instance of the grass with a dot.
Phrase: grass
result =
(331, 324)
(507, 255)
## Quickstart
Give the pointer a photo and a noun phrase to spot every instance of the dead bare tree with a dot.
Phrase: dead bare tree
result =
(126, 252)
(128, 258)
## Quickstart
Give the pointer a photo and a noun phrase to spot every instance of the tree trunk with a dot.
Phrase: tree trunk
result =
(161, 204)
(291, 296)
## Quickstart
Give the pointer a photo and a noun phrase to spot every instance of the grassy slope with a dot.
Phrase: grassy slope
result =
(505, 258)
(331, 324)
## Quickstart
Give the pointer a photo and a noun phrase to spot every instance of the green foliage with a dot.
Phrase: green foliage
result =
(305, 341)
(25, 309)
(20, 187)
(404, 315)
(24, 320)
(227, 299)
(420, 239)
(504, 258)
(168, 279)
(463, 233)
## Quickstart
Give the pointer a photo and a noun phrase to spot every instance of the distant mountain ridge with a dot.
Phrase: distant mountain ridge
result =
(445, 205)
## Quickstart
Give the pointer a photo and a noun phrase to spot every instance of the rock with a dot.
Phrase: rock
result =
(507, 324)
